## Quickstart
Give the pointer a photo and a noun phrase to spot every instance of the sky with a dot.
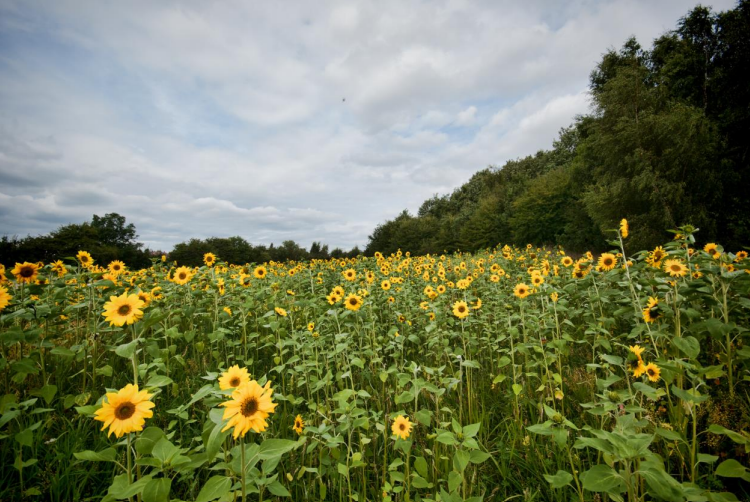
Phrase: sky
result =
(310, 121)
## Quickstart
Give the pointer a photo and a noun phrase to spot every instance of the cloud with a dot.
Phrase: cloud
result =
(283, 121)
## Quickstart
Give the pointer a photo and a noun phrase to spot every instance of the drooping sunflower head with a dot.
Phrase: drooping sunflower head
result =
(209, 259)
(156, 293)
(460, 309)
(607, 262)
(401, 427)
(521, 290)
(25, 272)
(123, 309)
(125, 411)
(233, 377)
(248, 409)
(652, 312)
(637, 350)
(675, 268)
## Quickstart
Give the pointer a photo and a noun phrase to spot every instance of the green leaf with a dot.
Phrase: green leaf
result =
(157, 490)
(121, 489)
(446, 438)
(478, 457)
(107, 455)
(164, 451)
(731, 469)
(159, 381)
(405, 397)
(602, 478)
(423, 417)
(215, 487)
(47, 393)
(688, 345)
(144, 445)
(278, 489)
(127, 350)
(461, 460)
(275, 447)
(420, 464)
(559, 480)
(202, 392)
(471, 430)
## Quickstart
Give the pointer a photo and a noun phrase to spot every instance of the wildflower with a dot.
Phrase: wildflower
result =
(299, 424)
(85, 258)
(460, 309)
(25, 272)
(5, 298)
(248, 409)
(653, 372)
(209, 259)
(310, 326)
(182, 275)
(712, 249)
(554, 297)
(233, 377)
(280, 311)
(521, 290)
(116, 267)
(353, 302)
(651, 313)
(125, 411)
(607, 261)
(228, 311)
(675, 268)
(624, 228)
(123, 309)
(401, 427)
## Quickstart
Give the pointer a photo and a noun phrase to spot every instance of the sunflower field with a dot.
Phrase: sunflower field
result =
(509, 374)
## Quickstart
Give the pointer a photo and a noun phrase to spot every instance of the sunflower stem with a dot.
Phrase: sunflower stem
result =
(242, 465)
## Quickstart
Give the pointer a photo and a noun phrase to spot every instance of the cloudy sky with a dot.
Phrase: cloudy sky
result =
(284, 120)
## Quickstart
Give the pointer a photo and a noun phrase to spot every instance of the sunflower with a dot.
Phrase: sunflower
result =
(85, 258)
(144, 297)
(712, 249)
(624, 228)
(401, 427)
(260, 272)
(248, 409)
(741, 255)
(638, 369)
(125, 411)
(332, 299)
(607, 261)
(233, 377)
(637, 350)
(656, 256)
(244, 281)
(653, 372)
(299, 424)
(349, 274)
(59, 268)
(123, 309)
(25, 272)
(182, 275)
(338, 291)
(5, 298)
(537, 279)
(554, 297)
(460, 309)
(353, 302)
(675, 268)
(209, 259)
(566, 261)
(280, 311)
(521, 290)
(651, 313)
(116, 267)
(156, 293)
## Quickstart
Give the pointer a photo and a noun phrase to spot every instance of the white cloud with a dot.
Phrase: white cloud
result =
(305, 121)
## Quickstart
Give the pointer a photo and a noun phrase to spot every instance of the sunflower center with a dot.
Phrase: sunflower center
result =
(353, 301)
(234, 382)
(124, 310)
(650, 372)
(27, 271)
(461, 309)
(607, 262)
(182, 275)
(249, 407)
(675, 268)
(124, 411)
(654, 313)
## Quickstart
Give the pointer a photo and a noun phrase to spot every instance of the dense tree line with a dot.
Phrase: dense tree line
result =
(106, 237)
(668, 143)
